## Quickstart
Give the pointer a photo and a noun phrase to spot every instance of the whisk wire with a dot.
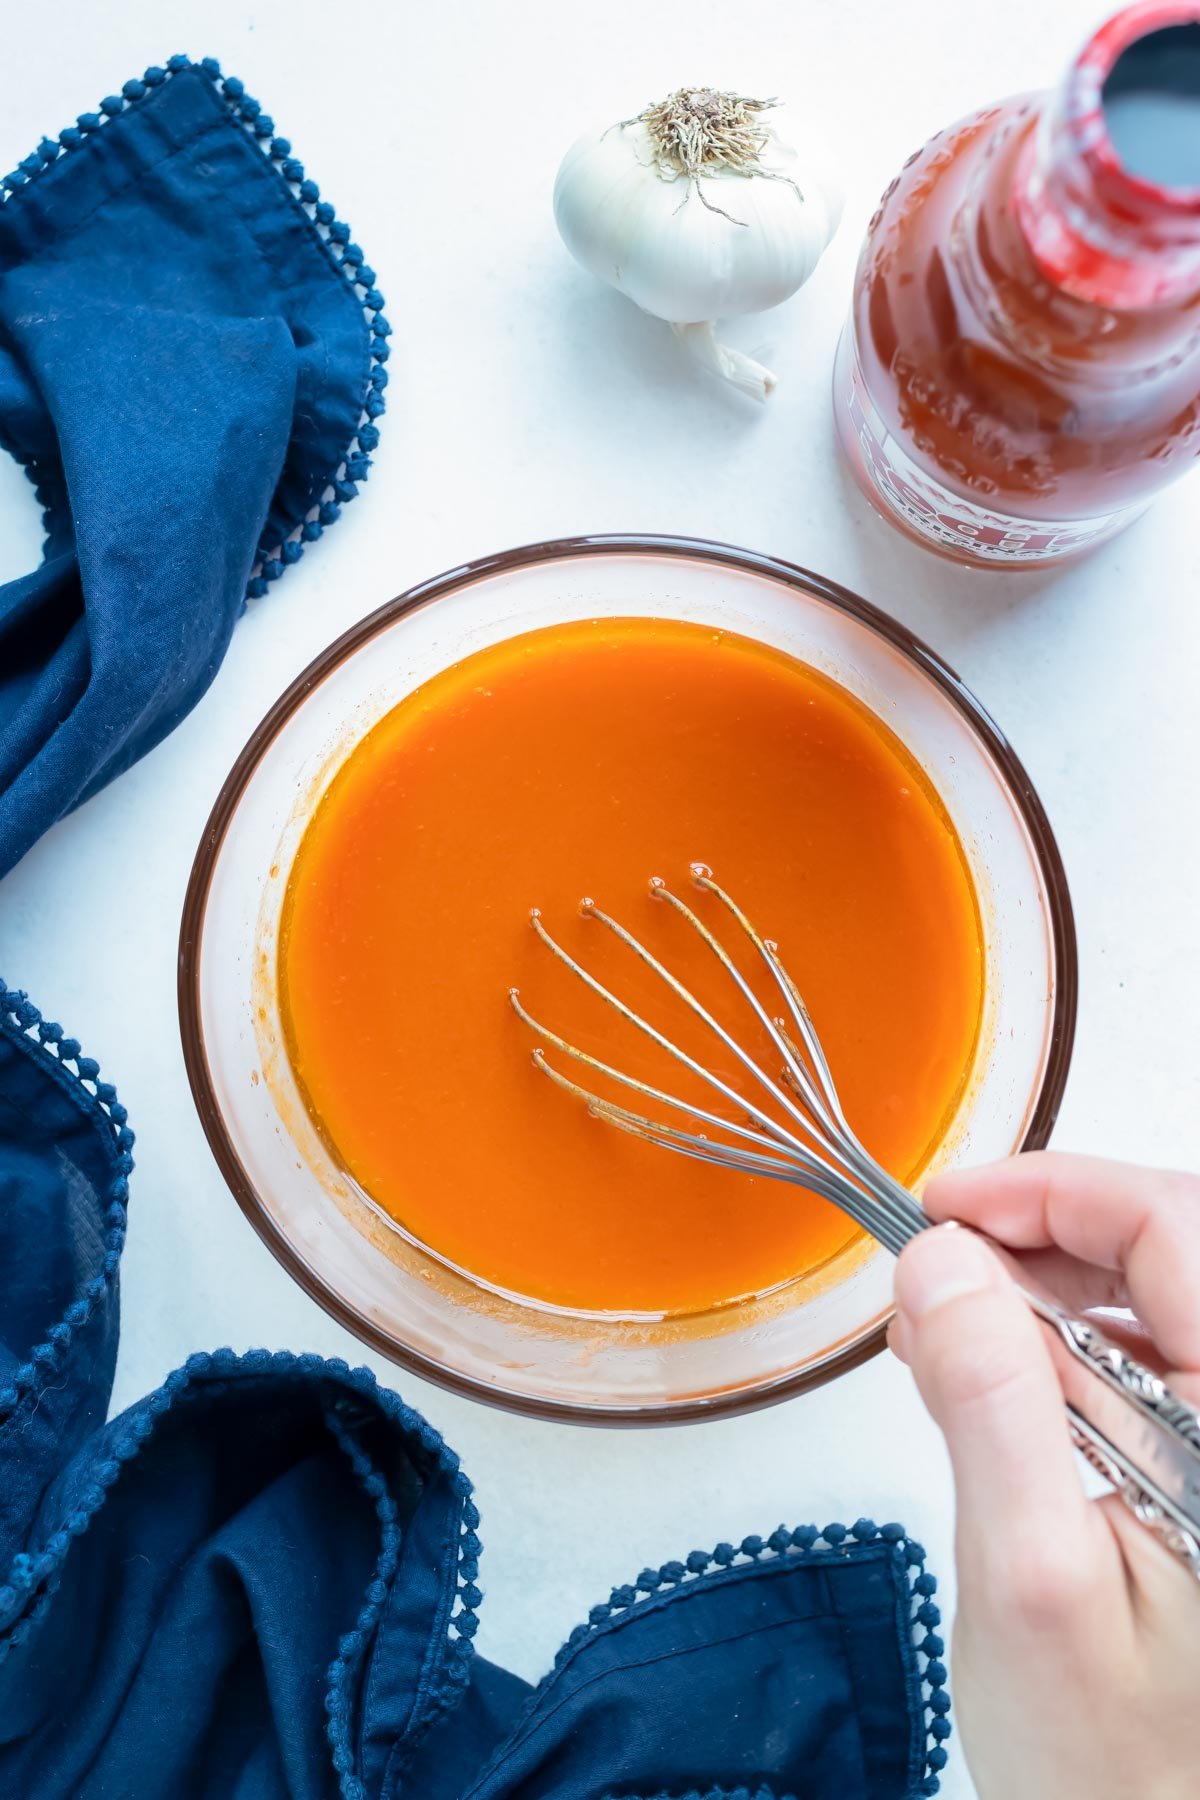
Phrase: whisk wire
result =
(822, 1097)
(590, 910)
(659, 889)
(828, 1159)
(791, 1154)
(821, 1094)
(1149, 1447)
(822, 1118)
(813, 1177)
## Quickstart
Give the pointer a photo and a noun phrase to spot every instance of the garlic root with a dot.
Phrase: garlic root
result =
(748, 376)
(707, 205)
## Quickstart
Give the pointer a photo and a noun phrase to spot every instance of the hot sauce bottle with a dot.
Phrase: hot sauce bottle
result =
(1020, 373)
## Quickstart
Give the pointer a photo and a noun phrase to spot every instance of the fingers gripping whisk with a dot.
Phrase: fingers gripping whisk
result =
(784, 1118)
(780, 1116)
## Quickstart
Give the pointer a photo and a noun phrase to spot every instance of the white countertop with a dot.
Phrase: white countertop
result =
(528, 402)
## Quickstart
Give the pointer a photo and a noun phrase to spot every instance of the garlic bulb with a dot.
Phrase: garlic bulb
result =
(700, 208)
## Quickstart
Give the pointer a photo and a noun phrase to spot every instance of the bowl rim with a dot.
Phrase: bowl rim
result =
(1033, 815)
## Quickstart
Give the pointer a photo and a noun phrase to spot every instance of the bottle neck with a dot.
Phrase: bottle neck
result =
(1120, 227)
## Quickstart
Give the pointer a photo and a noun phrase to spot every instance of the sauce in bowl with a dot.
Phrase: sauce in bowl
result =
(580, 760)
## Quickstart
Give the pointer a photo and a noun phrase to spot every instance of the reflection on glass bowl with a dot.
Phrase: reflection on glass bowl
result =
(401, 1298)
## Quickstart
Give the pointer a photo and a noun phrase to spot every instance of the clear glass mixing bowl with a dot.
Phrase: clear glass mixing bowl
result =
(396, 1295)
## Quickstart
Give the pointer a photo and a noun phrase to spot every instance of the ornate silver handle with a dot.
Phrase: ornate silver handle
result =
(1141, 1437)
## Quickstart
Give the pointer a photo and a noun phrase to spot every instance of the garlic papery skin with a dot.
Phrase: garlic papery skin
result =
(705, 207)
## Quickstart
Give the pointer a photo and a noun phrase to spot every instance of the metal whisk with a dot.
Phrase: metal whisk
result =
(805, 1139)
(791, 1126)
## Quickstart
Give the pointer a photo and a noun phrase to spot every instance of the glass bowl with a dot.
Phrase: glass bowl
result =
(391, 1291)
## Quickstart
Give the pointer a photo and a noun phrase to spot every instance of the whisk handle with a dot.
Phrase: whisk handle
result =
(1125, 1420)
(1129, 1425)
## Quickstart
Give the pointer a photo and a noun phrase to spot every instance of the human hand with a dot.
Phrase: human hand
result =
(1077, 1641)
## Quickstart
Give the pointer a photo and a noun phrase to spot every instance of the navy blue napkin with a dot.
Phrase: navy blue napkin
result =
(262, 1581)
(191, 356)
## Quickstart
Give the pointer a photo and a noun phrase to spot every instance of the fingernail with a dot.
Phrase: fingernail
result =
(939, 1266)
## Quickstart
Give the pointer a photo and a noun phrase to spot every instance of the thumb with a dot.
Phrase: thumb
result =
(984, 1371)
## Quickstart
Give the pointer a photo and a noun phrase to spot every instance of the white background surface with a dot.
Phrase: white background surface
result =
(528, 402)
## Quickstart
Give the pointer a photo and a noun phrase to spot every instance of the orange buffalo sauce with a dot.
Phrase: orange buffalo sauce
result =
(580, 760)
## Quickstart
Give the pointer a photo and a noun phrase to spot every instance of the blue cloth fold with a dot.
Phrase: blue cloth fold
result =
(190, 355)
(261, 1582)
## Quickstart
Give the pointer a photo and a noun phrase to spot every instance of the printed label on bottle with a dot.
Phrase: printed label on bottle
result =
(937, 513)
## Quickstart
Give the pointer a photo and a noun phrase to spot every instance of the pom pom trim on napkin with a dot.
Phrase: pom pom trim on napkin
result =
(79, 1076)
(32, 1578)
(342, 482)
(803, 1543)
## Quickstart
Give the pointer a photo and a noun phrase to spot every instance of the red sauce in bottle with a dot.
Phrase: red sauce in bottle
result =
(1021, 370)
